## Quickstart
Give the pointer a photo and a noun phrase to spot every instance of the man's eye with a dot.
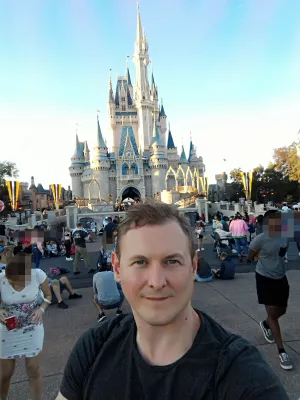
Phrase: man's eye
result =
(172, 262)
(140, 262)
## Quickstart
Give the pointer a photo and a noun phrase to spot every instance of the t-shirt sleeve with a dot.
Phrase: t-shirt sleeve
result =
(80, 362)
(41, 276)
(244, 374)
(256, 243)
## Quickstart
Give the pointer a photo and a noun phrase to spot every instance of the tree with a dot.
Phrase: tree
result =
(287, 161)
(235, 175)
(7, 169)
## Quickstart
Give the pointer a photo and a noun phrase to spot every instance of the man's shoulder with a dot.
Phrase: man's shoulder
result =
(107, 330)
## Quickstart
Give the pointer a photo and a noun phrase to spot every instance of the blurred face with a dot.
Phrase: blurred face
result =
(156, 272)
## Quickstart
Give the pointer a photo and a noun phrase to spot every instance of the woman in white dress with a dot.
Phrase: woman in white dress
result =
(24, 294)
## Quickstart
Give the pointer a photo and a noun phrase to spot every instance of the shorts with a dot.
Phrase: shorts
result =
(272, 292)
(62, 287)
(200, 236)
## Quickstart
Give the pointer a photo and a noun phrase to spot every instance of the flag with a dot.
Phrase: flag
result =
(98, 110)
(224, 159)
(13, 188)
(250, 183)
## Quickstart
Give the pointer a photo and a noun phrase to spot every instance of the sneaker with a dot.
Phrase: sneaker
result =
(75, 296)
(267, 333)
(202, 249)
(285, 361)
(62, 305)
(119, 312)
(76, 272)
(101, 317)
(91, 270)
(69, 259)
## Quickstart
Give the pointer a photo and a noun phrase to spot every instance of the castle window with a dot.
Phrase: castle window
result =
(125, 169)
(123, 108)
(135, 168)
(122, 98)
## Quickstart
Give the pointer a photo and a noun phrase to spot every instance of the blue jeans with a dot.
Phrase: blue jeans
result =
(107, 306)
(37, 257)
(241, 242)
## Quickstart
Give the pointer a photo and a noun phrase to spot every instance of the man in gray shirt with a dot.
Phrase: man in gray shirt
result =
(107, 292)
(269, 248)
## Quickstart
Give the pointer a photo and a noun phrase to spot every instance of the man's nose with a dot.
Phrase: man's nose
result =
(157, 276)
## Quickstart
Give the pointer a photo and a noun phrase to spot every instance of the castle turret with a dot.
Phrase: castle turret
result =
(172, 154)
(32, 190)
(100, 166)
(158, 161)
(76, 169)
(86, 153)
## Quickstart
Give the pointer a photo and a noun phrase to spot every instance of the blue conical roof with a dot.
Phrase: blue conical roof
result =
(190, 152)
(78, 152)
(183, 159)
(100, 141)
(170, 144)
(156, 139)
(162, 112)
(128, 78)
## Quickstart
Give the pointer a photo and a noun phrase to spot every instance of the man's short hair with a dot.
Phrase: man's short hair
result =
(151, 212)
(223, 255)
(79, 225)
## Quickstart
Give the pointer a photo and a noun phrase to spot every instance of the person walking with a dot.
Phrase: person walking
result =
(165, 349)
(239, 230)
(25, 295)
(79, 236)
(271, 282)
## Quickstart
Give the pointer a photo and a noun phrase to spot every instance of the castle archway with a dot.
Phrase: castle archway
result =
(131, 192)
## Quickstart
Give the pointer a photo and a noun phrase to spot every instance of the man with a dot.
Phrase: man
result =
(271, 281)
(57, 286)
(79, 236)
(108, 293)
(165, 349)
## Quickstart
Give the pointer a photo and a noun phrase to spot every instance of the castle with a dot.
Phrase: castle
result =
(143, 160)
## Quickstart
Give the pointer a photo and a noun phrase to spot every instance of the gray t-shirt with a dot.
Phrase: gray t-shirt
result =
(269, 264)
(105, 286)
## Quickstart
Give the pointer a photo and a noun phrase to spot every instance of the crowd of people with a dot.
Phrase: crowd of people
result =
(157, 280)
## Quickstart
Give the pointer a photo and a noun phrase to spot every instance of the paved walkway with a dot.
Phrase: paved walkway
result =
(231, 303)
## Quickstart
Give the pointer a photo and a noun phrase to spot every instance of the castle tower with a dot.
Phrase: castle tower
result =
(172, 153)
(76, 169)
(32, 190)
(100, 166)
(158, 161)
(143, 101)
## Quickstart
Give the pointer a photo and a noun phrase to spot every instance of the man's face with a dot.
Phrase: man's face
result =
(156, 272)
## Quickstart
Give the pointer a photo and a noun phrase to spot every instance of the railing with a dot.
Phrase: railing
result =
(185, 189)
(130, 177)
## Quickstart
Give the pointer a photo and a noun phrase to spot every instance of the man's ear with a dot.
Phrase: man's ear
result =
(116, 266)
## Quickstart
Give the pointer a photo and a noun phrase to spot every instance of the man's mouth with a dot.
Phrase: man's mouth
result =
(156, 298)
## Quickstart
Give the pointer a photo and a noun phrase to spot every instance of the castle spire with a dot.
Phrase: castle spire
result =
(139, 28)
(110, 90)
(170, 144)
(100, 141)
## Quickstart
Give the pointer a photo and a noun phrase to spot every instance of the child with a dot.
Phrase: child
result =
(204, 273)
(227, 270)
(199, 234)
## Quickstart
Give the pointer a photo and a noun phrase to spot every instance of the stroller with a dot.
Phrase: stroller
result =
(221, 246)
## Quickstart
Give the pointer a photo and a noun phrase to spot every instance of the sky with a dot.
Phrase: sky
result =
(227, 71)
